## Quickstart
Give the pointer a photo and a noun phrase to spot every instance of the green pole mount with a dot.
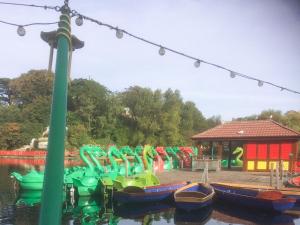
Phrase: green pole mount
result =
(52, 197)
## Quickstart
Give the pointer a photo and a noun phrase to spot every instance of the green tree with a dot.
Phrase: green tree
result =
(96, 115)
(10, 113)
(77, 135)
(170, 119)
(292, 120)
(192, 121)
(213, 121)
(143, 107)
(38, 111)
(28, 86)
(11, 135)
(5, 91)
(87, 99)
(275, 115)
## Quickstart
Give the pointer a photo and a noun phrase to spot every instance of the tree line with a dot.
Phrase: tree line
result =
(97, 115)
(289, 119)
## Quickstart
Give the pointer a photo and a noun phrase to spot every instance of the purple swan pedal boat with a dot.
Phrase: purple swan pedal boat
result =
(194, 196)
(267, 200)
(133, 194)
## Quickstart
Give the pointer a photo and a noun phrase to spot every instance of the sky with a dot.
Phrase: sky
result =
(259, 38)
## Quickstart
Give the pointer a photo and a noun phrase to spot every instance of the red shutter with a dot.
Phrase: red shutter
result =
(262, 151)
(251, 151)
(274, 151)
(286, 149)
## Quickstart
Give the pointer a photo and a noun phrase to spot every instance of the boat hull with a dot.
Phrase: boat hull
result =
(247, 197)
(31, 186)
(194, 196)
(147, 194)
(294, 182)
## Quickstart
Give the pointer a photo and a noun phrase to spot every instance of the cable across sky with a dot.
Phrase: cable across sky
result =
(162, 49)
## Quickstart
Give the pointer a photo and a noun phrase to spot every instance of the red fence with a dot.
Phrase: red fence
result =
(31, 153)
(33, 161)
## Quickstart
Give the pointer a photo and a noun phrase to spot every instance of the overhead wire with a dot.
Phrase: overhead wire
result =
(29, 24)
(260, 81)
(162, 47)
(30, 5)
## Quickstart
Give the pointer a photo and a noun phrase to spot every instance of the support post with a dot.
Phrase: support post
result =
(126, 168)
(52, 197)
(230, 155)
(277, 175)
(281, 169)
(50, 58)
(271, 174)
(206, 168)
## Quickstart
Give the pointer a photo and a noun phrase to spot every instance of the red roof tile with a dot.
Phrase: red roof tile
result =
(248, 129)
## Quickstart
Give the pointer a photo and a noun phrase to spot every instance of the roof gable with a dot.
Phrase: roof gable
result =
(248, 129)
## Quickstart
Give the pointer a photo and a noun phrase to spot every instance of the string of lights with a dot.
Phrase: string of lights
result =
(57, 8)
(21, 30)
(120, 33)
(162, 51)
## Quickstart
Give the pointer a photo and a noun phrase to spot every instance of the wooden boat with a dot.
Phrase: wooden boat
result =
(286, 191)
(135, 194)
(194, 196)
(269, 200)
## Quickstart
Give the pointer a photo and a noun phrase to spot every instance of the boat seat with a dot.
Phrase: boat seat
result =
(191, 194)
(133, 189)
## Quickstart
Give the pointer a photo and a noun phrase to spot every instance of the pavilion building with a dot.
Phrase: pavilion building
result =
(250, 145)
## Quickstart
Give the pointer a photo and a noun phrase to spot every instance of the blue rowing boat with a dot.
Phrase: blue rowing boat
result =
(134, 194)
(194, 196)
(267, 200)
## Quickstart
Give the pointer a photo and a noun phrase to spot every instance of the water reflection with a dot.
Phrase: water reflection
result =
(240, 215)
(23, 209)
(29, 198)
(194, 217)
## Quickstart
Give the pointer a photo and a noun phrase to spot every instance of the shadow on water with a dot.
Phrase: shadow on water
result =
(240, 215)
(201, 216)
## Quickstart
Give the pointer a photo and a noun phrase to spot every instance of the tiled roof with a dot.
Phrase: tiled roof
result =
(248, 129)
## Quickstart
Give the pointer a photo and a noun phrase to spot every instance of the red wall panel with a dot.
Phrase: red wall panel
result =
(262, 151)
(251, 151)
(286, 149)
(274, 151)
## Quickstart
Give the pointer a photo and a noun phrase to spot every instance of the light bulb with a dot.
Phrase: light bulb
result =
(119, 33)
(232, 74)
(260, 83)
(162, 51)
(79, 21)
(21, 31)
(197, 63)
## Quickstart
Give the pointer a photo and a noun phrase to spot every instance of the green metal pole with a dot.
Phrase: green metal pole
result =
(52, 196)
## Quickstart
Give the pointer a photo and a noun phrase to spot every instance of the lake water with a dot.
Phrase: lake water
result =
(23, 209)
